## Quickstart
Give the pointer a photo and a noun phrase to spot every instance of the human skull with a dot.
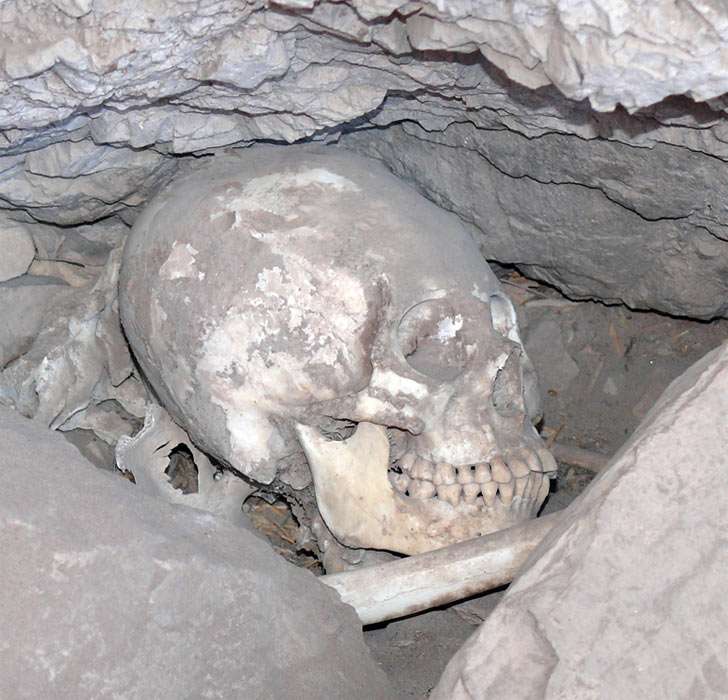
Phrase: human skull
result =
(281, 295)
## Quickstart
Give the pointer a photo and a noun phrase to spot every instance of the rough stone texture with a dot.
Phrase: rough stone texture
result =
(77, 372)
(109, 593)
(101, 100)
(75, 182)
(629, 53)
(16, 248)
(626, 597)
(23, 307)
(597, 219)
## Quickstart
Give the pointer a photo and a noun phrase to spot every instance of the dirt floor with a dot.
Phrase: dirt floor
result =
(601, 369)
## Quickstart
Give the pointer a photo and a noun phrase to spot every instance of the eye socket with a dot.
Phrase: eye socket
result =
(432, 341)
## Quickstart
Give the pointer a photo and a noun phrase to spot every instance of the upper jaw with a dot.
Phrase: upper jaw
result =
(369, 503)
(503, 478)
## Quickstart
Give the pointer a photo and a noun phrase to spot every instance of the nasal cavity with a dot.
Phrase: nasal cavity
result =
(431, 337)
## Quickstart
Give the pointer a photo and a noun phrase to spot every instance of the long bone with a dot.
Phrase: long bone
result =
(425, 581)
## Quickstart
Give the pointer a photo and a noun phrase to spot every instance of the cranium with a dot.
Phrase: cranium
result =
(293, 298)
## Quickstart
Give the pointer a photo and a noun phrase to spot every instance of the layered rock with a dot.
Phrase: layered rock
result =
(100, 100)
(597, 219)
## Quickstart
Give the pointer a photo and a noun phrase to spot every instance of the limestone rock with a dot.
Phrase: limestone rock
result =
(624, 53)
(626, 596)
(555, 368)
(108, 592)
(78, 361)
(16, 249)
(22, 310)
(597, 220)
(94, 120)
(75, 182)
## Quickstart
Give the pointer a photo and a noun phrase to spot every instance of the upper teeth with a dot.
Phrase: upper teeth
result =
(364, 508)
(517, 474)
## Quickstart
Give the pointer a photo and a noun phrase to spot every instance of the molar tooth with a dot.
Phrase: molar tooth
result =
(482, 473)
(400, 482)
(547, 460)
(521, 484)
(444, 474)
(465, 475)
(534, 479)
(489, 491)
(532, 485)
(520, 471)
(506, 492)
(421, 489)
(422, 469)
(407, 461)
(449, 493)
(500, 471)
(543, 491)
(532, 460)
(471, 492)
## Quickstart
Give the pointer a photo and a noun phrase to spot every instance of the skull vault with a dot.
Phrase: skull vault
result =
(311, 320)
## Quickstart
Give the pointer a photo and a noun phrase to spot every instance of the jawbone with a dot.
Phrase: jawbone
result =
(363, 510)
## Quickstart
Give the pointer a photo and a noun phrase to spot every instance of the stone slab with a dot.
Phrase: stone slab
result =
(626, 598)
(107, 592)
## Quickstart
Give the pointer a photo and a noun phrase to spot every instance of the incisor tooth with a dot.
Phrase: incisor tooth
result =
(422, 469)
(500, 471)
(421, 489)
(482, 473)
(449, 493)
(471, 492)
(444, 474)
(465, 475)
(489, 491)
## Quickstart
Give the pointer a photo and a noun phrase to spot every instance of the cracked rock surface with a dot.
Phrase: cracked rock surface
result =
(488, 107)
(627, 593)
(110, 593)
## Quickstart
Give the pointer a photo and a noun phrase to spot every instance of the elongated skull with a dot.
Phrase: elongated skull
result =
(289, 299)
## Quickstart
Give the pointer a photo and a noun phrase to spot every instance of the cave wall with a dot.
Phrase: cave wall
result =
(102, 102)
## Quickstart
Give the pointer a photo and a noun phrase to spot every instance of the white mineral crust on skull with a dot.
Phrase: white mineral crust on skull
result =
(287, 302)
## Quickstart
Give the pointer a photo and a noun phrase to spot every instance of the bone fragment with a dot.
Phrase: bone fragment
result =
(578, 457)
(146, 455)
(425, 581)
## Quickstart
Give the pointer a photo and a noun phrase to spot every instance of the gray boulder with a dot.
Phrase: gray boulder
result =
(109, 593)
(626, 597)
